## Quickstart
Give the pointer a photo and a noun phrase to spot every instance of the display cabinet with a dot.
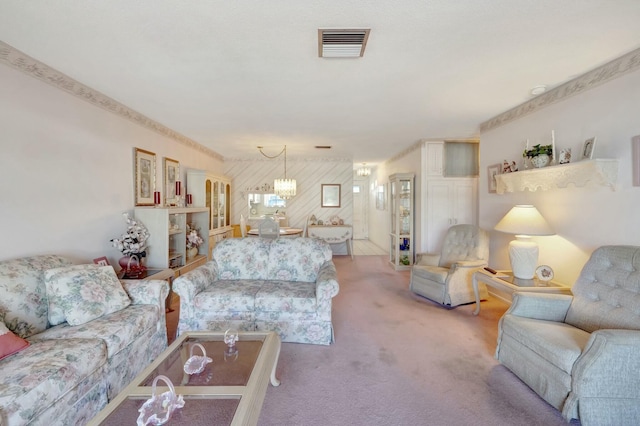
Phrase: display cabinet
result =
(401, 246)
(168, 241)
(214, 192)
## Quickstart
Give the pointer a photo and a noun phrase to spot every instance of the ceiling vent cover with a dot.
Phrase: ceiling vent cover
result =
(335, 43)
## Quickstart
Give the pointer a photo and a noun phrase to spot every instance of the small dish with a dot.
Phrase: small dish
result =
(544, 273)
(195, 364)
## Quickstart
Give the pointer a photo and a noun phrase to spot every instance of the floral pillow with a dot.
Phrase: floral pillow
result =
(81, 293)
(9, 342)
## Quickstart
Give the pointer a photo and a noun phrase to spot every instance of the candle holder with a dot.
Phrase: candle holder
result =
(157, 198)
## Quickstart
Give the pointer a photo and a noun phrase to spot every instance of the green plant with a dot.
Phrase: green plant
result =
(538, 150)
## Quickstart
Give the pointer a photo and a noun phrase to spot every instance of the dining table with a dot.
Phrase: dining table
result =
(284, 232)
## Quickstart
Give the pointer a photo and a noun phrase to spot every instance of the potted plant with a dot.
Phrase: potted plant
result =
(193, 241)
(539, 155)
(132, 244)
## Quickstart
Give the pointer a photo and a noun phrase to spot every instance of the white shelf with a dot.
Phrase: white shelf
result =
(595, 172)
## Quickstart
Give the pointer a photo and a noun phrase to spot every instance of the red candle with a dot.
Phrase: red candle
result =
(156, 197)
(189, 199)
(177, 187)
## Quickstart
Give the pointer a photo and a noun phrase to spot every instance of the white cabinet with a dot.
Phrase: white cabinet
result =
(435, 159)
(450, 201)
(168, 235)
(402, 209)
(214, 192)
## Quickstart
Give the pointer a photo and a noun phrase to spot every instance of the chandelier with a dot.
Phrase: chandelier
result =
(363, 171)
(283, 188)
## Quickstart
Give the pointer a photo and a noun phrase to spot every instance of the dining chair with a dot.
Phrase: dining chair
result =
(306, 225)
(269, 228)
(243, 226)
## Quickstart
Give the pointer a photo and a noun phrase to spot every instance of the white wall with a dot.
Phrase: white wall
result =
(583, 218)
(68, 170)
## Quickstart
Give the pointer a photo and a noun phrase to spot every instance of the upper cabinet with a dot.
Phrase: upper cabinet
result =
(452, 159)
(595, 172)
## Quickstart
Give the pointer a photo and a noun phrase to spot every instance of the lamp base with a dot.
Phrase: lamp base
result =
(523, 254)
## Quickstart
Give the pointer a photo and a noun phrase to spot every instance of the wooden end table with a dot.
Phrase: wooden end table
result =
(505, 281)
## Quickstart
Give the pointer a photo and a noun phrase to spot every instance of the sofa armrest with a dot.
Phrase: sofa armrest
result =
(427, 259)
(543, 306)
(146, 292)
(327, 282)
(607, 371)
(195, 281)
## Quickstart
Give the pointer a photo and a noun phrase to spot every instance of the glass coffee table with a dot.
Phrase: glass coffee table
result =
(230, 390)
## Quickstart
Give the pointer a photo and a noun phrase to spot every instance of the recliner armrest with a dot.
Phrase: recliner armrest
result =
(427, 259)
(547, 306)
(469, 264)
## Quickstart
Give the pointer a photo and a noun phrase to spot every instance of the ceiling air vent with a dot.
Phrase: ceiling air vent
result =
(333, 43)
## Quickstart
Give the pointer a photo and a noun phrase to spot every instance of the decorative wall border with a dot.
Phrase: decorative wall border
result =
(30, 66)
(607, 72)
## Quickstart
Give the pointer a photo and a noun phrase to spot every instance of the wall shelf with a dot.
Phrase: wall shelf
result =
(596, 172)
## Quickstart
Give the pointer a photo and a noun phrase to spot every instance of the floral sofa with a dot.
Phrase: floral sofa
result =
(283, 285)
(63, 374)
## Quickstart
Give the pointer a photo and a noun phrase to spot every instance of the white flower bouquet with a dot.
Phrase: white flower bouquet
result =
(134, 241)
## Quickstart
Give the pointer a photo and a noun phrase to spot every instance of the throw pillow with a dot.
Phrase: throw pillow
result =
(83, 293)
(9, 342)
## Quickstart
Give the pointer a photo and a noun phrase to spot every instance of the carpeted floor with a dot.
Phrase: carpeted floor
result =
(399, 360)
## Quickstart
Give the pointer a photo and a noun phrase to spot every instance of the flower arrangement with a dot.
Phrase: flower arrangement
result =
(193, 238)
(538, 150)
(134, 241)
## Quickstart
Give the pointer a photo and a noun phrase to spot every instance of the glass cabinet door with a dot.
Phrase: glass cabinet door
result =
(215, 205)
(207, 201)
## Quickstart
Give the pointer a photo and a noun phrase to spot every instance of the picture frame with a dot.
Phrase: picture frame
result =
(171, 175)
(330, 195)
(588, 148)
(102, 261)
(492, 171)
(381, 197)
(145, 177)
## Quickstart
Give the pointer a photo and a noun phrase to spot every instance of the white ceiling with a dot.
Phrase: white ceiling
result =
(236, 74)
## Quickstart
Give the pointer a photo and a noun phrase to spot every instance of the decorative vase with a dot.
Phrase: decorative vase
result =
(127, 261)
(541, 160)
(192, 252)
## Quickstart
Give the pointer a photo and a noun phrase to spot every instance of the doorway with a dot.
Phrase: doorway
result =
(360, 209)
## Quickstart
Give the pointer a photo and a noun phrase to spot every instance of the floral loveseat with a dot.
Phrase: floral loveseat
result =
(67, 373)
(283, 285)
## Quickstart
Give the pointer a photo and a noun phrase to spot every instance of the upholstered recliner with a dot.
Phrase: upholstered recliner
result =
(446, 277)
(581, 353)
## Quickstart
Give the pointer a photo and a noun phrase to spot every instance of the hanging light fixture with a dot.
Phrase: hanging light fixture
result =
(283, 188)
(363, 171)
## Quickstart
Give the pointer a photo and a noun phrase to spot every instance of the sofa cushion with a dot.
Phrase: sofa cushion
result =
(558, 343)
(81, 293)
(229, 296)
(286, 296)
(242, 258)
(297, 259)
(33, 380)
(9, 342)
(432, 273)
(23, 300)
(117, 329)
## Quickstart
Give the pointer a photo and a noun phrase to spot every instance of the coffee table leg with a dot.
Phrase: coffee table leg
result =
(474, 280)
(274, 380)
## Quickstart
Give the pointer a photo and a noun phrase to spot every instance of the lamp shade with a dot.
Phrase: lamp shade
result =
(524, 220)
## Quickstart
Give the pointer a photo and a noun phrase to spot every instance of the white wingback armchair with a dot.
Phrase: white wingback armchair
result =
(580, 352)
(445, 278)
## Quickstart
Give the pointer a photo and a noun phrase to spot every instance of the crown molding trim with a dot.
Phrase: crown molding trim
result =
(401, 154)
(20, 61)
(607, 72)
(291, 160)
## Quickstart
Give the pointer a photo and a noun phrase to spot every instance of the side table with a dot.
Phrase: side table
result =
(156, 274)
(505, 281)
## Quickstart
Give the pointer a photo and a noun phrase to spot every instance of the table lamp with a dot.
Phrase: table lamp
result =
(524, 221)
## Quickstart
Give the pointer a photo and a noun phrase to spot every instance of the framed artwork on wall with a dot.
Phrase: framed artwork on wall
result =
(171, 176)
(587, 149)
(492, 171)
(145, 177)
(330, 195)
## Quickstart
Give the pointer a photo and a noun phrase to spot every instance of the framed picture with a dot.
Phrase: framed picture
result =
(145, 177)
(492, 171)
(330, 195)
(171, 176)
(381, 197)
(588, 147)
(102, 261)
